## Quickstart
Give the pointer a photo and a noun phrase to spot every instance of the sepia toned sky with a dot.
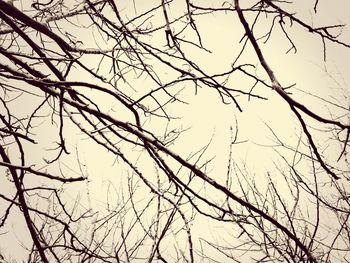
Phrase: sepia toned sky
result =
(206, 121)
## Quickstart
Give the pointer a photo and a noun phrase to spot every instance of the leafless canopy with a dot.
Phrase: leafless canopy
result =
(123, 94)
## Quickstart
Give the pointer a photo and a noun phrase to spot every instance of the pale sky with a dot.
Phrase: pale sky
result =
(205, 118)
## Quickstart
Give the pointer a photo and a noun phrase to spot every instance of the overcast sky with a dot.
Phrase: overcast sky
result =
(205, 118)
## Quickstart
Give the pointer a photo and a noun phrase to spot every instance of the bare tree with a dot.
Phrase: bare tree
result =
(129, 131)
